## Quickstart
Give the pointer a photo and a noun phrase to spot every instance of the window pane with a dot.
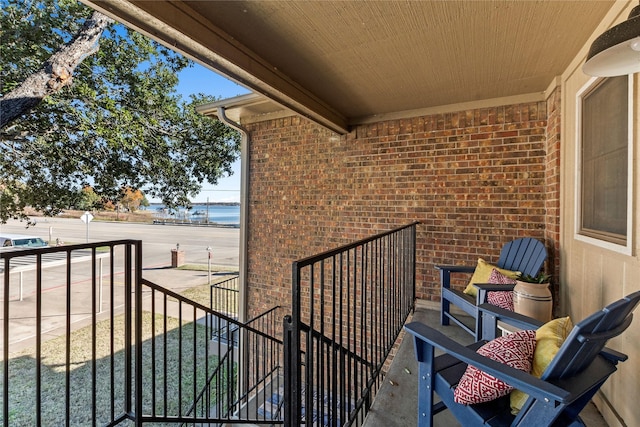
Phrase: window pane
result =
(604, 160)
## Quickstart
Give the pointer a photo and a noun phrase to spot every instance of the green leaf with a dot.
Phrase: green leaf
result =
(120, 124)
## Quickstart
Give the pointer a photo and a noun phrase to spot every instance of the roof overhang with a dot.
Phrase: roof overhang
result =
(245, 109)
(341, 63)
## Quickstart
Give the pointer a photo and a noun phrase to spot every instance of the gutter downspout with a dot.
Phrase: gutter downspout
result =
(242, 260)
(244, 217)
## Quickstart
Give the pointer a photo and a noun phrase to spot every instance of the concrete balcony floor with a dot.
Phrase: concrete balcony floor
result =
(395, 404)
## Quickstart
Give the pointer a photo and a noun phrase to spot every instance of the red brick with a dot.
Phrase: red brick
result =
(475, 178)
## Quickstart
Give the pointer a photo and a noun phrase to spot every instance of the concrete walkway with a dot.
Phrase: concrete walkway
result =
(395, 405)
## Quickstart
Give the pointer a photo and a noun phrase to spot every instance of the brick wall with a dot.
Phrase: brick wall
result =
(475, 179)
(552, 189)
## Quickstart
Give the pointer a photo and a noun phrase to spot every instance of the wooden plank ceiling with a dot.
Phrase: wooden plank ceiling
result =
(344, 62)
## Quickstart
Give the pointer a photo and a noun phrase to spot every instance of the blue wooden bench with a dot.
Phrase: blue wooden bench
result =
(526, 255)
(580, 367)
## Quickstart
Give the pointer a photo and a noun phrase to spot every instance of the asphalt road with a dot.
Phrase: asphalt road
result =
(157, 240)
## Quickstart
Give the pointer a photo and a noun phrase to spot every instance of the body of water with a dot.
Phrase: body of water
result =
(220, 214)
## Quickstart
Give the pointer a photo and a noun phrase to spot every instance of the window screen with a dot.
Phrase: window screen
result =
(604, 159)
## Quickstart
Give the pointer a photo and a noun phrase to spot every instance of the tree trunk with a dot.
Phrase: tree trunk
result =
(55, 73)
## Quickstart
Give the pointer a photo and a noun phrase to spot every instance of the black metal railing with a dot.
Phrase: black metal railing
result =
(198, 366)
(348, 308)
(87, 341)
(66, 342)
(223, 296)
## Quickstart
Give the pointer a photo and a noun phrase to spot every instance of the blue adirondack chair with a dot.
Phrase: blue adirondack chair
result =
(576, 373)
(525, 255)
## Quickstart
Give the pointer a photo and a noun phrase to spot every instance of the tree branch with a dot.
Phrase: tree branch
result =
(55, 73)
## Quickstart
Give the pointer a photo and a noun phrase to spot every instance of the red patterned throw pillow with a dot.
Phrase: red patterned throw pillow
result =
(502, 299)
(515, 350)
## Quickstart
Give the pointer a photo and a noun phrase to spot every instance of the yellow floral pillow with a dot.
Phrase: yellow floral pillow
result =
(549, 339)
(482, 274)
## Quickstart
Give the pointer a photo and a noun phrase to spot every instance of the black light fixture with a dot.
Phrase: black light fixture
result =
(616, 52)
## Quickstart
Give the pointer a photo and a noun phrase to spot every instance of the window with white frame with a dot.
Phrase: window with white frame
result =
(605, 142)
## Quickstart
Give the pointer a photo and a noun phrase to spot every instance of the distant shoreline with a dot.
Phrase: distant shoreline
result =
(203, 204)
(151, 215)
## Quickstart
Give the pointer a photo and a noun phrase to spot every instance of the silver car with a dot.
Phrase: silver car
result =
(21, 241)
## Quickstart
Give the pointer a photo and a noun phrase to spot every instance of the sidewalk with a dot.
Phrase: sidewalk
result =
(22, 323)
(178, 280)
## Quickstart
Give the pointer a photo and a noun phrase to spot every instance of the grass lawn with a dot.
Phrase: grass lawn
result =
(108, 383)
(225, 302)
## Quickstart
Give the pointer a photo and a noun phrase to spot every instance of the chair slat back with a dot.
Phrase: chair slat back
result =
(525, 255)
(589, 337)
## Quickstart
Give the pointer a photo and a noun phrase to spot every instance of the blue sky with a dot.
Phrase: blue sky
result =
(199, 79)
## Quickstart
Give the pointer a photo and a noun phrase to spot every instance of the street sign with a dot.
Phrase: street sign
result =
(86, 217)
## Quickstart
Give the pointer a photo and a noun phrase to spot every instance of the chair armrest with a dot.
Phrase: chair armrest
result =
(592, 376)
(493, 287)
(519, 379)
(483, 288)
(457, 268)
(613, 355)
(446, 270)
(491, 314)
